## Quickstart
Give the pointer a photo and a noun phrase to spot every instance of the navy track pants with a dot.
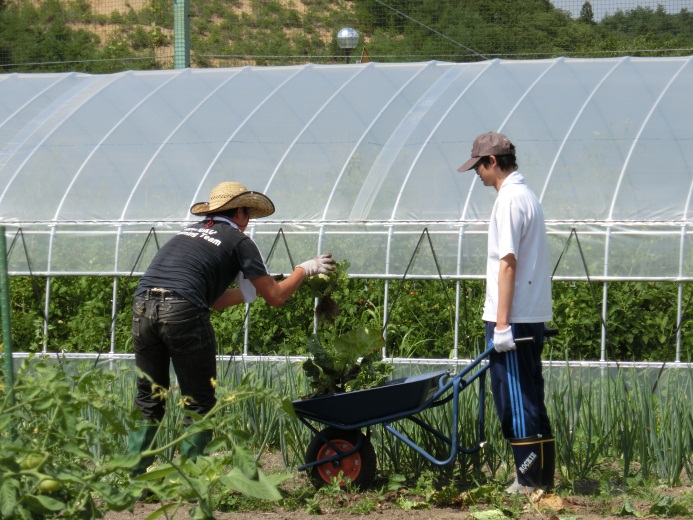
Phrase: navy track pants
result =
(517, 383)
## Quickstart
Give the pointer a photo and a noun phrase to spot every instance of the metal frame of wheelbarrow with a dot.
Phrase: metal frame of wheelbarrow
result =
(446, 384)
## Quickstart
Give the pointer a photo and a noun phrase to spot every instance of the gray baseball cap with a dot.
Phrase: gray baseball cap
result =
(490, 143)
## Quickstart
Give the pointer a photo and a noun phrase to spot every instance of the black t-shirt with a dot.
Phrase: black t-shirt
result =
(201, 261)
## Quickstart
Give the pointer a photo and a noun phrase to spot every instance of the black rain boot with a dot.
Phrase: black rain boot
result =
(141, 439)
(528, 461)
(194, 446)
(549, 462)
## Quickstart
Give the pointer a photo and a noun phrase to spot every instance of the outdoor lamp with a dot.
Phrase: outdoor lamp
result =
(347, 39)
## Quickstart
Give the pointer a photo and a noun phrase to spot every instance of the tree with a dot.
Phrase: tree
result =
(586, 13)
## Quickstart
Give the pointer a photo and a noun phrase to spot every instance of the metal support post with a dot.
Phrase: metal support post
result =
(181, 34)
(6, 321)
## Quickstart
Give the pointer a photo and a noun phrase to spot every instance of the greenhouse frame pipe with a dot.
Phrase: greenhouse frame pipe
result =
(548, 363)
(619, 183)
(458, 268)
(363, 137)
(114, 314)
(238, 129)
(413, 118)
(29, 135)
(46, 311)
(607, 243)
(309, 122)
(682, 248)
(438, 86)
(141, 176)
(168, 139)
(321, 235)
(386, 290)
(95, 86)
(679, 295)
(576, 119)
(59, 208)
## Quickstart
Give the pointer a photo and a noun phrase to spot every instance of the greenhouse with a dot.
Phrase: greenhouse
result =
(360, 160)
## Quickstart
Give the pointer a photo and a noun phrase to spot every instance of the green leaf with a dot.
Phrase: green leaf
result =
(116, 499)
(288, 407)
(491, 514)
(262, 488)
(480, 493)
(277, 478)
(77, 451)
(42, 504)
(245, 462)
(355, 344)
(163, 510)
(8, 497)
(126, 461)
(627, 510)
(666, 506)
(158, 473)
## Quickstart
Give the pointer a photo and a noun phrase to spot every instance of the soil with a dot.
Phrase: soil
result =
(588, 505)
(548, 507)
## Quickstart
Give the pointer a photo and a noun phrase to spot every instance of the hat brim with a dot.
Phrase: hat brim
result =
(259, 205)
(471, 163)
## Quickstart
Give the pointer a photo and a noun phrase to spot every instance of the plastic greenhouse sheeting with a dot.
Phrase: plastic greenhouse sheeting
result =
(359, 159)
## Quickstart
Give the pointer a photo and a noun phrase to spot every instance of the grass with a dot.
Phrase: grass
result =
(624, 439)
(602, 419)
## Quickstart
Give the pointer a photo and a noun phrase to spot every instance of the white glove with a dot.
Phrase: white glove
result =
(503, 340)
(323, 264)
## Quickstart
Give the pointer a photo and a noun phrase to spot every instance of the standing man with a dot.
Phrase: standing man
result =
(518, 303)
(190, 275)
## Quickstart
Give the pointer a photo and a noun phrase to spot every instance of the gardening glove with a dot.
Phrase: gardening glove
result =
(503, 340)
(323, 264)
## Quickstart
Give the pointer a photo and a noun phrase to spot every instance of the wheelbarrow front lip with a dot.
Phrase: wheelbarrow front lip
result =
(359, 408)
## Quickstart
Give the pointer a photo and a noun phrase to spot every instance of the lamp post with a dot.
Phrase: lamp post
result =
(347, 39)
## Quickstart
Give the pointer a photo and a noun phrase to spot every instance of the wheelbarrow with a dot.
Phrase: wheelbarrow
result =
(342, 447)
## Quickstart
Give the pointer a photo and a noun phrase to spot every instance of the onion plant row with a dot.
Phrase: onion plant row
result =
(628, 422)
(618, 421)
(68, 425)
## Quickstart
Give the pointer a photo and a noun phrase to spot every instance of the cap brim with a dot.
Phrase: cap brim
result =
(471, 163)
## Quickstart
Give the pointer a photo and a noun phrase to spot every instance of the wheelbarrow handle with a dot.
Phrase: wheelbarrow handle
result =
(528, 339)
(490, 349)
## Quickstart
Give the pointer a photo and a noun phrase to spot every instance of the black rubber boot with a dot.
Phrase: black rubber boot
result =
(548, 445)
(194, 446)
(142, 438)
(528, 462)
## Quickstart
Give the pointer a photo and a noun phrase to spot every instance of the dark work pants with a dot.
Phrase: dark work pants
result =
(172, 330)
(517, 383)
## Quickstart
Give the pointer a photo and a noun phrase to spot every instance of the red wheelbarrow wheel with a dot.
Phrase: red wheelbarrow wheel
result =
(357, 468)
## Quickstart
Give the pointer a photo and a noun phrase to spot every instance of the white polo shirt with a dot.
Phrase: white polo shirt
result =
(517, 227)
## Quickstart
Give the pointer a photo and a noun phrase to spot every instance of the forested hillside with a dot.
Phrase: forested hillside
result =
(112, 35)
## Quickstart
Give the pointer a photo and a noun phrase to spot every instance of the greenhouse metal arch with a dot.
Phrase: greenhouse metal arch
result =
(359, 159)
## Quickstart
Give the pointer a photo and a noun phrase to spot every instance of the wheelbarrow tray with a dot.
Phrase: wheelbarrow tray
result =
(398, 397)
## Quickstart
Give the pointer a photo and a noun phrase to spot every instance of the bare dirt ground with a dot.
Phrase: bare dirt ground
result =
(584, 506)
(548, 507)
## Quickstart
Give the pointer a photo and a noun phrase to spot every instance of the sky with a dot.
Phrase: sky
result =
(600, 8)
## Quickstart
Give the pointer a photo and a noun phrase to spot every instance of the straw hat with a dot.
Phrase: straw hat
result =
(229, 195)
